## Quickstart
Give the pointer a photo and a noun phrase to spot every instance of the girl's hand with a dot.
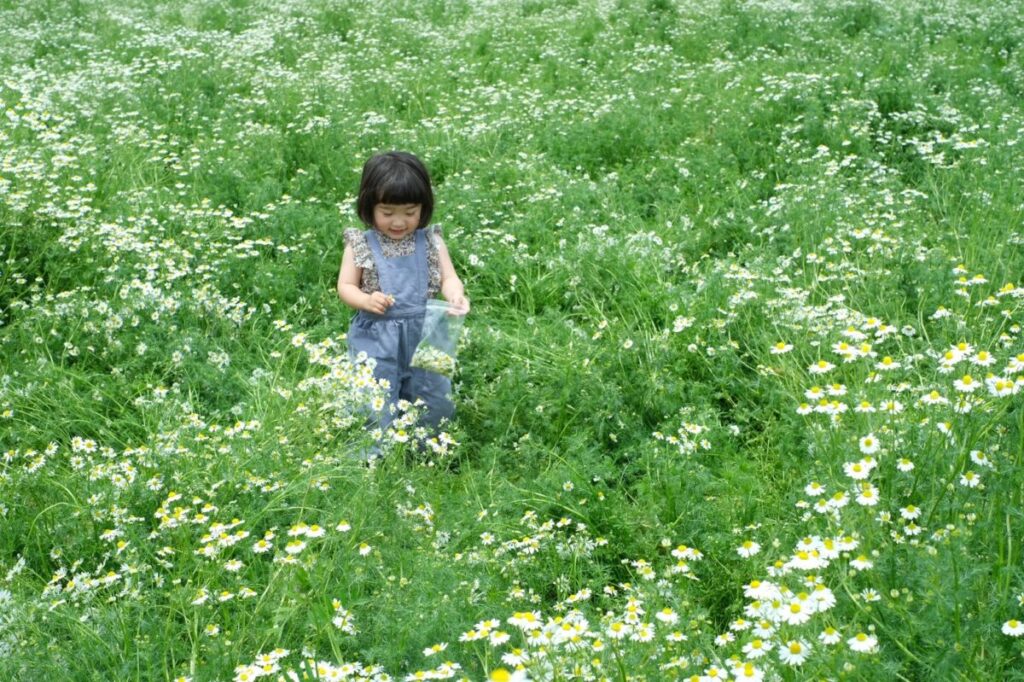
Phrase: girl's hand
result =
(458, 305)
(379, 302)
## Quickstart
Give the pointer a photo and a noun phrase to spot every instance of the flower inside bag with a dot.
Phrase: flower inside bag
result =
(436, 350)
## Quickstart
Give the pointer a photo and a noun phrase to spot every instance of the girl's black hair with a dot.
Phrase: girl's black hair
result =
(395, 178)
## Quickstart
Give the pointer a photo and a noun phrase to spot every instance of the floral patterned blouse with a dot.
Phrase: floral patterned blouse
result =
(370, 282)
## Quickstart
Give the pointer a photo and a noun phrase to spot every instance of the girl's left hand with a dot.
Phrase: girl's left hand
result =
(458, 306)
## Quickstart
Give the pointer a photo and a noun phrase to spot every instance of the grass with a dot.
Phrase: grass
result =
(665, 214)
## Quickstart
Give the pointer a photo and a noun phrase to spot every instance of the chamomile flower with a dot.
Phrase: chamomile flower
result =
(617, 630)
(967, 384)
(761, 590)
(847, 543)
(715, 674)
(746, 672)
(435, 649)
(910, 512)
(857, 470)
(298, 530)
(854, 334)
(757, 647)
(962, 349)
(863, 643)
(763, 628)
(868, 495)
(823, 598)
(1013, 628)
(515, 657)
(644, 632)
(794, 652)
(838, 500)
(807, 561)
(870, 594)
(829, 636)
(1000, 387)
(740, 625)
(933, 397)
(498, 637)
(1016, 364)
(891, 406)
(981, 459)
(781, 347)
(864, 407)
(862, 563)
(869, 444)
(748, 549)
(842, 349)
(887, 364)
(982, 358)
(796, 612)
(821, 367)
(970, 479)
(813, 489)
(667, 615)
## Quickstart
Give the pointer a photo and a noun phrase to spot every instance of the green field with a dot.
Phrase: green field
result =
(739, 396)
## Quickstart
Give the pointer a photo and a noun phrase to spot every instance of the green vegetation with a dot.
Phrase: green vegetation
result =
(741, 384)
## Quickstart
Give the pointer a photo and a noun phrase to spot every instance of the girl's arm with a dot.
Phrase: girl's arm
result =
(451, 285)
(349, 278)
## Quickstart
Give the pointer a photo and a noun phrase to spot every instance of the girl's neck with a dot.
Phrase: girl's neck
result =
(381, 235)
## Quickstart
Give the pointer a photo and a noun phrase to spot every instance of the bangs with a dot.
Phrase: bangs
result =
(403, 188)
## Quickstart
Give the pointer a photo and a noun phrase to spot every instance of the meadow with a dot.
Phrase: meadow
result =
(739, 396)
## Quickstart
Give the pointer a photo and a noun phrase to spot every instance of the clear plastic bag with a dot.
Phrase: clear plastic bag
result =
(437, 349)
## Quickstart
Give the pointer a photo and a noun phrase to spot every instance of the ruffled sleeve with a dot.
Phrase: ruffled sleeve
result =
(356, 240)
(434, 235)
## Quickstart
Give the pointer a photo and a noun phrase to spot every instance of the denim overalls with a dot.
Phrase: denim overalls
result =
(391, 338)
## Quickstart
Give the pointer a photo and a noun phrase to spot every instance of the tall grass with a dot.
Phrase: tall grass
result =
(740, 393)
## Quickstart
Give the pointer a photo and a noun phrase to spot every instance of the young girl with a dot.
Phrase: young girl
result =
(387, 274)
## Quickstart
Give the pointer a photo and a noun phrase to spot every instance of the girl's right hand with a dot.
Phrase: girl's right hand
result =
(378, 302)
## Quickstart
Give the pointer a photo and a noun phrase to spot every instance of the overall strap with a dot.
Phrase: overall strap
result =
(422, 264)
(379, 261)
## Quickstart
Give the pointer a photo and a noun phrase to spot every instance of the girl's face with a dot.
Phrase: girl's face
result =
(396, 220)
